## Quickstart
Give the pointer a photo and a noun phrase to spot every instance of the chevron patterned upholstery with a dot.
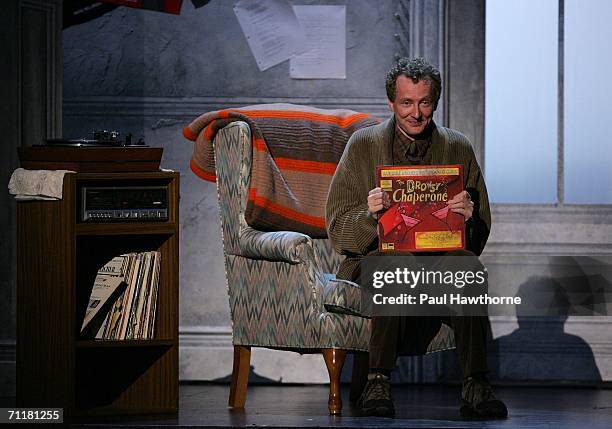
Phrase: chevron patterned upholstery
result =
(277, 281)
(344, 297)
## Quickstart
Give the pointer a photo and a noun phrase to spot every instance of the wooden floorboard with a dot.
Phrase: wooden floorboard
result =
(205, 405)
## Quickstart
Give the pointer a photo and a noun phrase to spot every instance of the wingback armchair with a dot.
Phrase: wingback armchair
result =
(282, 290)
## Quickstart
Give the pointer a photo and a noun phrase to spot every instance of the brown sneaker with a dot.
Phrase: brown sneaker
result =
(479, 402)
(376, 398)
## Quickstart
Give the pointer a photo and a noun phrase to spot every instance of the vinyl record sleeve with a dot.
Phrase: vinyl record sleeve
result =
(419, 219)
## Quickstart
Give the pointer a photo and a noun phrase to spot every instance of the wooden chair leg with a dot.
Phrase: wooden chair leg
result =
(334, 359)
(361, 364)
(240, 376)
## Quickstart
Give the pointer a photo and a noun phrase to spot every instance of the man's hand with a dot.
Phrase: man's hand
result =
(377, 201)
(462, 203)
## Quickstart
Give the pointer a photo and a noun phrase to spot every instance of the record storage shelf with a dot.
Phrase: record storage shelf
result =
(57, 260)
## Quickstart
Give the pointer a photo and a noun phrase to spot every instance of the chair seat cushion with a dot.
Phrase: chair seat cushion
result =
(344, 297)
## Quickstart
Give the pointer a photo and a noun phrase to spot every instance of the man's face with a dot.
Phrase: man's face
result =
(413, 106)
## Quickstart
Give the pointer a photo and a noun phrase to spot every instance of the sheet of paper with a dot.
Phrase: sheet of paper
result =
(271, 29)
(325, 57)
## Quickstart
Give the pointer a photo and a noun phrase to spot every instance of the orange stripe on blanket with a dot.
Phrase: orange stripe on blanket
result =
(208, 131)
(328, 168)
(260, 145)
(286, 114)
(189, 135)
(210, 177)
(288, 213)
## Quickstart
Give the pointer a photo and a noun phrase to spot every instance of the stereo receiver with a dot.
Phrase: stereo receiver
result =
(123, 203)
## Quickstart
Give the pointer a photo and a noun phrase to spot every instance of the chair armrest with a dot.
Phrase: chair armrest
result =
(286, 246)
(346, 297)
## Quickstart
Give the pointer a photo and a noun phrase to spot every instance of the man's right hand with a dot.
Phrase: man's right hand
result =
(377, 202)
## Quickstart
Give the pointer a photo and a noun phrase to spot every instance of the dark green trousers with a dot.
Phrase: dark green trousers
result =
(395, 336)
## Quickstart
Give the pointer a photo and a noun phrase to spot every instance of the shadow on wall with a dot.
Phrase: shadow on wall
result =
(540, 349)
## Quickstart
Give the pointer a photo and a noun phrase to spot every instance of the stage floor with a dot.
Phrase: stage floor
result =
(205, 405)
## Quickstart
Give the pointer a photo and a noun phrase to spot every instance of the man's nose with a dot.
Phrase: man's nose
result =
(416, 111)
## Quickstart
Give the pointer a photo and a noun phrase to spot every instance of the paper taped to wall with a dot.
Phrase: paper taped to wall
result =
(325, 56)
(272, 30)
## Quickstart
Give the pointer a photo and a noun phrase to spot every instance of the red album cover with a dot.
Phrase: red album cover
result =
(419, 219)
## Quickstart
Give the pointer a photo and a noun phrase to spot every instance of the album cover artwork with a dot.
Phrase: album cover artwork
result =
(419, 219)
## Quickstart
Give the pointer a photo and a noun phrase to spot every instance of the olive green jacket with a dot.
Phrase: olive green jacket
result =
(352, 230)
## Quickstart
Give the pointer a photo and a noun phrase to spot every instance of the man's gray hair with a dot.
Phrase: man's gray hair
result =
(416, 69)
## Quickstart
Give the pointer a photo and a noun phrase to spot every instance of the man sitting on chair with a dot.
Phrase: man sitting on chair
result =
(410, 137)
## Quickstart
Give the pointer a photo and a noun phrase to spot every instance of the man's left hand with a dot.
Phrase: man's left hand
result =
(462, 203)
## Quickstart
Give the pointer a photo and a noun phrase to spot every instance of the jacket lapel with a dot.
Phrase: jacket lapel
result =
(439, 148)
(384, 141)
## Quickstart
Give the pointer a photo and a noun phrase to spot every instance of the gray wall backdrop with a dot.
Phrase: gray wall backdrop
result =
(150, 74)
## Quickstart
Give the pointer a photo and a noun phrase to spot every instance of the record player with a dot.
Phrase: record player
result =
(101, 138)
(105, 152)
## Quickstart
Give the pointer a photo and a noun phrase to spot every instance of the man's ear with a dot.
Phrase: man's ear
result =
(390, 105)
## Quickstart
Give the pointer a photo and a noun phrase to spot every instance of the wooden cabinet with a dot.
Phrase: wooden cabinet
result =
(57, 260)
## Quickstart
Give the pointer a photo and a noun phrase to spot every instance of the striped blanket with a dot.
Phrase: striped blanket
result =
(295, 153)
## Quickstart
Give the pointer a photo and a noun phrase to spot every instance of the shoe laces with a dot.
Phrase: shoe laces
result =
(378, 387)
(476, 391)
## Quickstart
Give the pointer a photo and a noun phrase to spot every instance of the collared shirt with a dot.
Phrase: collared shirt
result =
(408, 150)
